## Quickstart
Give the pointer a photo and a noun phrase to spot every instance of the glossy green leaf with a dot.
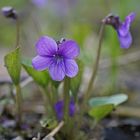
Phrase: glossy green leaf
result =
(13, 65)
(99, 112)
(40, 77)
(115, 100)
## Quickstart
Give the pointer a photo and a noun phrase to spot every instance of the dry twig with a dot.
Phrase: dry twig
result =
(54, 131)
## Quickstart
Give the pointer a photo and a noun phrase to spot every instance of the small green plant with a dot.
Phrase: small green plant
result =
(57, 62)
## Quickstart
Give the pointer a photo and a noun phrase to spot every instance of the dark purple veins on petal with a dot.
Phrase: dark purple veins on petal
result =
(46, 46)
(57, 57)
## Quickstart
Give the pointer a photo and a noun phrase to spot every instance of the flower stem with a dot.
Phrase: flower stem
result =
(66, 98)
(91, 82)
(17, 32)
(47, 100)
(19, 105)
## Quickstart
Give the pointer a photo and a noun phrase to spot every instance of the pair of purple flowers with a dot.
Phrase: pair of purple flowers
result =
(58, 57)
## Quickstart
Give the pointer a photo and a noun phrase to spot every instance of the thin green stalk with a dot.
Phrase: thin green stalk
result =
(50, 100)
(47, 100)
(18, 105)
(94, 73)
(54, 95)
(17, 32)
(66, 98)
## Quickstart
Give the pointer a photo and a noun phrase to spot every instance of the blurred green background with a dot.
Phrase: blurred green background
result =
(79, 20)
(76, 19)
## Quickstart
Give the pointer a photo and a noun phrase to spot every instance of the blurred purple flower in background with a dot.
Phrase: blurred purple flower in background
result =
(59, 109)
(63, 8)
(58, 57)
(122, 28)
(9, 12)
(39, 3)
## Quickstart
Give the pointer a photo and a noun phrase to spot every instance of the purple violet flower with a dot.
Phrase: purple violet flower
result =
(59, 109)
(124, 34)
(9, 12)
(122, 28)
(58, 57)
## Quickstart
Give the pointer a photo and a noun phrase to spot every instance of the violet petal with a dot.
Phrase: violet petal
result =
(129, 19)
(41, 63)
(71, 67)
(125, 41)
(59, 109)
(69, 49)
(123, 30)
(46, 46)
(125, 26)
(57, 70)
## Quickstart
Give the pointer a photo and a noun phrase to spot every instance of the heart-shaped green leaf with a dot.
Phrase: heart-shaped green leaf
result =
(40, 77)
(13, 64)
(99, 112)
(115, 100)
